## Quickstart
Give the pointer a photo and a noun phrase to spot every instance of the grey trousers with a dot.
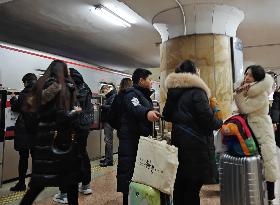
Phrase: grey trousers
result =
(108, 132)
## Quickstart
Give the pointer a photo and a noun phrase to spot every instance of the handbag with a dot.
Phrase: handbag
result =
(64, 151)
(156, 164)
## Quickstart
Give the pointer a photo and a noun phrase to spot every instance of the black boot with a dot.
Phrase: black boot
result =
(18, 187)
(106, 164)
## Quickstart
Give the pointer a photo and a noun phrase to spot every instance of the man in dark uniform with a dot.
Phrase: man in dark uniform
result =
(136, 120)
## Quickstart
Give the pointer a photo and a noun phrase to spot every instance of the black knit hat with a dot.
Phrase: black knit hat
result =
(76, 76)
(186, 67)
(29, 77)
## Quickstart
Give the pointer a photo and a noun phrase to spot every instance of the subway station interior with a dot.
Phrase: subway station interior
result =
(106, 41)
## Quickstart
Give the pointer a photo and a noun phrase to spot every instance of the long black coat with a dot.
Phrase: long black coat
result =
(107, 105)
(84, 96)
(187, 107)
(23, 135)
(85, 118)
(136, 104)
(275, 115)
(47, 168)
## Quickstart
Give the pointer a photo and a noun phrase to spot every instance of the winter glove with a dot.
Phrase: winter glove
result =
(214, 106)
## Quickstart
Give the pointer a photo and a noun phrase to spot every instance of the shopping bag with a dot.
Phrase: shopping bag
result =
(156, 164)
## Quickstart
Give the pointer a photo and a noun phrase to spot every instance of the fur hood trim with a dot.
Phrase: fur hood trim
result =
(186, 80)
(50, 92)
(263, 86)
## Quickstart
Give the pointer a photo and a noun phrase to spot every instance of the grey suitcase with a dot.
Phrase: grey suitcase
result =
(242, 181)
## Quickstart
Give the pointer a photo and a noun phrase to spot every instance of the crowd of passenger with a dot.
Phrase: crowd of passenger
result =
(55, 115)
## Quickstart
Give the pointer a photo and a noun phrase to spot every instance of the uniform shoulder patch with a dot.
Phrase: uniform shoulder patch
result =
(135, 101)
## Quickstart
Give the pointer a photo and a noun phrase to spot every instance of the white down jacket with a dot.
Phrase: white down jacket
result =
(256, 105)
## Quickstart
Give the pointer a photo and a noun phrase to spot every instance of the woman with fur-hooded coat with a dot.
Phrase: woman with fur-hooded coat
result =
(187, 107)
(253, 101)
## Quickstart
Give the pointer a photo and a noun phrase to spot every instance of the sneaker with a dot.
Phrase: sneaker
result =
(102, 160)
(85, 189)
(61, 198)
(18, 187)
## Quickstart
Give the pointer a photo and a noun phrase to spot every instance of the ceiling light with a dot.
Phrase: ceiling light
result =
(110, 16)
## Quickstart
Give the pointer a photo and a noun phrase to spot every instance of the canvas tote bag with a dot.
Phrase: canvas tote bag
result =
(156, 164)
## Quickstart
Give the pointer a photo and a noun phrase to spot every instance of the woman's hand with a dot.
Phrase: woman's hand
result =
(215, 107)
(246, 87)
(77, 109)
(213, 102)
(243, 88)
(275, 127)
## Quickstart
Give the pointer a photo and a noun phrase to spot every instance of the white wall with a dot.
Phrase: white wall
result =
(16, 61)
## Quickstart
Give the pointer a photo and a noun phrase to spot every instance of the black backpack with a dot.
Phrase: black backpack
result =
(115, 113)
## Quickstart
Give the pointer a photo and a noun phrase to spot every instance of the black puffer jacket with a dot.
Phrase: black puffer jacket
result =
(107, 105)
(275, 115)
(116, 111)
(48, 169)
(23, 135)
(187, 107)
(84, 96)
(136, 104)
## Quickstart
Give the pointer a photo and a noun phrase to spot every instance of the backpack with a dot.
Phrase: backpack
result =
(238, 137)
(115, 113)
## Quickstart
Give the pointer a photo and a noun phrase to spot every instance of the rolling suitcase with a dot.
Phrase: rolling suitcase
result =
(242, 181)
(140, 194)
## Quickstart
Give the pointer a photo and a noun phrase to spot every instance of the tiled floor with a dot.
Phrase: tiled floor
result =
(104, 191)
(103, 185)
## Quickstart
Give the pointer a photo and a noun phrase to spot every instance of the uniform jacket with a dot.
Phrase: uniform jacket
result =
(256, 105)
(187, 107)
(134, 123)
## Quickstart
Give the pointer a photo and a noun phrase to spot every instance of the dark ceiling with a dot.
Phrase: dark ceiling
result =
(68, 28)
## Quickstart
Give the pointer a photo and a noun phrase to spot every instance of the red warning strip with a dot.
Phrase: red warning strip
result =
(68, 62)
(9, 133)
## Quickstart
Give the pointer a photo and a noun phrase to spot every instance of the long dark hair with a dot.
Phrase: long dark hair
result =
(125, 83)
(64, 100)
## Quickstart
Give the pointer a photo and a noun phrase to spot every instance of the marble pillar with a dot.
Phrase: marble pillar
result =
(200, 32)
(212, 55)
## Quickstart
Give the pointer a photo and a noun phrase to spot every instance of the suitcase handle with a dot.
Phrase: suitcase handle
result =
(162, 126)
